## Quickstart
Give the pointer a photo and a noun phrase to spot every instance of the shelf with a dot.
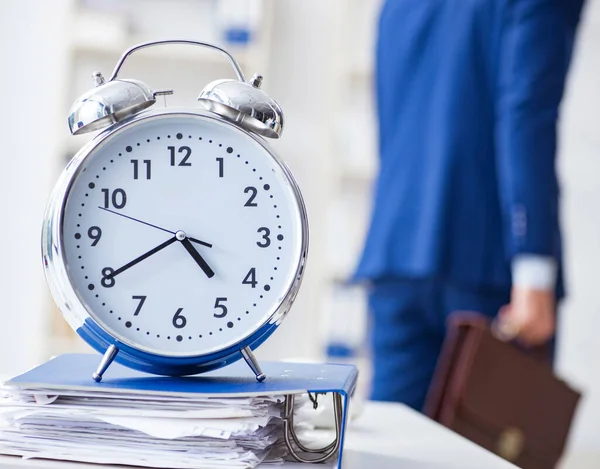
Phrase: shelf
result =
(362, 175)
(101, 33)
(362, 76)
(187, 54)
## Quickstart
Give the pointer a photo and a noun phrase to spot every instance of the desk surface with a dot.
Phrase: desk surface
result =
(395, 436)
(385, 436)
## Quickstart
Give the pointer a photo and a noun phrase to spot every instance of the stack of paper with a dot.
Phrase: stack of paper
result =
(143, 430)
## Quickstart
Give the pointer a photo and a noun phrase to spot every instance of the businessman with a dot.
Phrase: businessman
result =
(466, 205)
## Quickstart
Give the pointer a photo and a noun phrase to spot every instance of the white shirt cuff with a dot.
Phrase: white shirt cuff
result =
(535, 272)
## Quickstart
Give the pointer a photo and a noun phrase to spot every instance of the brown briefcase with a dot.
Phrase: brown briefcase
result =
(499, 397)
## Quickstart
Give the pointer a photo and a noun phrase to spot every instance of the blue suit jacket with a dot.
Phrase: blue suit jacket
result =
(468, 93)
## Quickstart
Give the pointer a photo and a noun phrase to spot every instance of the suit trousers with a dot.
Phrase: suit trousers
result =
(407, 329)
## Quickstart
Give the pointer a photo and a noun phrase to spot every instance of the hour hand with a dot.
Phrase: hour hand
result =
(182, 237)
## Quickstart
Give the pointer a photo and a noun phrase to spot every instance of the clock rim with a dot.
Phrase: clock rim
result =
(74, 309)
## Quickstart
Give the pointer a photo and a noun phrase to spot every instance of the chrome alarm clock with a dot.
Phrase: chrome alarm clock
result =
(175, 241)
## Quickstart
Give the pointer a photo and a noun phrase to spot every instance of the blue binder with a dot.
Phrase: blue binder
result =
(72, 372)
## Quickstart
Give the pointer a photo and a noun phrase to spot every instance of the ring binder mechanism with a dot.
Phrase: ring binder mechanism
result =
(289, 432)
(68, 376)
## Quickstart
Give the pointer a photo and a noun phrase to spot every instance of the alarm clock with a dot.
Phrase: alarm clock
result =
(175, 241)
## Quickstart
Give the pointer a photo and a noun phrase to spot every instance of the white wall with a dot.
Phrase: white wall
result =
(579, 162)
(32, 125)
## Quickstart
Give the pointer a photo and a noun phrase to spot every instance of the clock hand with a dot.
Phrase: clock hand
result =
(181, 236)
(194, 240)
(143, 256)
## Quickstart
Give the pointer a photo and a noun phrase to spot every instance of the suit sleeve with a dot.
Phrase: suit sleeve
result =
(533, 64)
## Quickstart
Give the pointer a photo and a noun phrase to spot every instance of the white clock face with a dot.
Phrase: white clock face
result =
(182, 235)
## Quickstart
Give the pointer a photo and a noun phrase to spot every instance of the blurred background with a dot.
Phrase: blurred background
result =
(317, 60)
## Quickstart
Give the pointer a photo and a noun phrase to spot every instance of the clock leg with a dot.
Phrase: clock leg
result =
(107, 359)
(253, 363)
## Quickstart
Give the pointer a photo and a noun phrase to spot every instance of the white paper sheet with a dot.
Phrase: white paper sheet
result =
(158, 431)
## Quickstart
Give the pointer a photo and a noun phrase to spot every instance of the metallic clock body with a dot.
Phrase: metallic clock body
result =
(77, 312)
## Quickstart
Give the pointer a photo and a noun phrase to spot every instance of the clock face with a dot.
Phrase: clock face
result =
(182, 235)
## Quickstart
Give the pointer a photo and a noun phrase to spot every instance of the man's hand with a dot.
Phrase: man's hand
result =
(531, 314)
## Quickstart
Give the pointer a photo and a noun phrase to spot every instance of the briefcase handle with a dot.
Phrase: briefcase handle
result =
(503, 331)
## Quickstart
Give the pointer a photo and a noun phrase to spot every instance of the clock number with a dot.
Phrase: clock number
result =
(223, 308)
(135, 169)
(179, 321)
(184, 161)
(108, 281)
(250, 202)
(141, 299)
(250, 278)
(118, 198)
(265, 237)
(95, 233)
(220, 160)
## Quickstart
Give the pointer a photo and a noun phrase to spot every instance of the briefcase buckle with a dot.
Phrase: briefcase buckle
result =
(511, 443)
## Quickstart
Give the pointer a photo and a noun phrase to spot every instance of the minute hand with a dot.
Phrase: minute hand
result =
(143, 256)
(194, 240)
